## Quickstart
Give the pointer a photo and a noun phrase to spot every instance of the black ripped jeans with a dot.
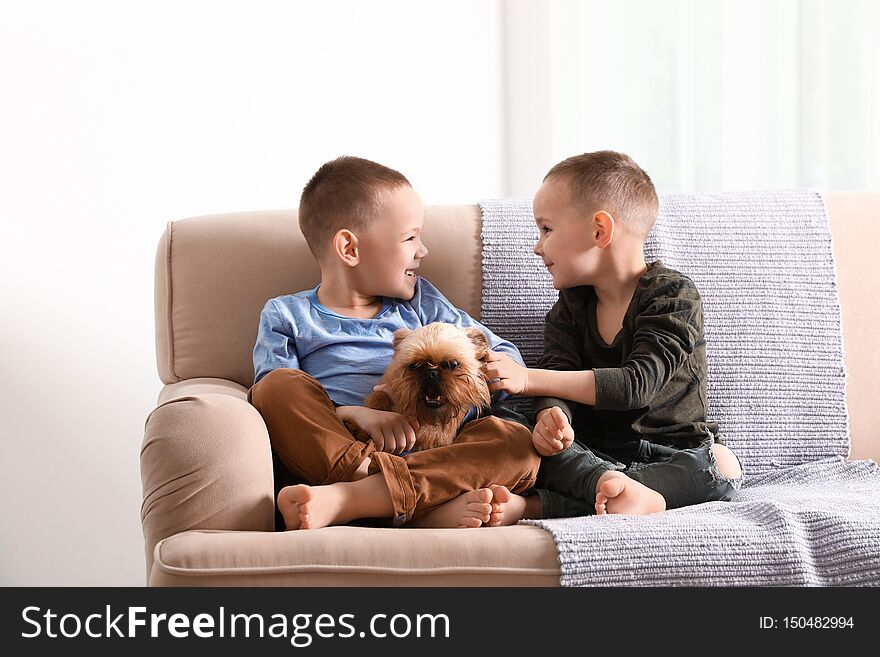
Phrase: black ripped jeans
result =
(567, 481)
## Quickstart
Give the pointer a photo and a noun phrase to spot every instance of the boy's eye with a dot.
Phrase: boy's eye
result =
(543, 228)
(410, 239)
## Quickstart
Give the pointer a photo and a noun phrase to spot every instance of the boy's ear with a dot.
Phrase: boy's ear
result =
(399, 336)
(345, 247)
(603, 228)
(481, 343)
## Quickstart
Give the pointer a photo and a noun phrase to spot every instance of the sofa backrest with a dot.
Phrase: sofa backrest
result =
(214, 273)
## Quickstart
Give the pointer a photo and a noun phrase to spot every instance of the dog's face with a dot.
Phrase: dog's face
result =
(435, 372)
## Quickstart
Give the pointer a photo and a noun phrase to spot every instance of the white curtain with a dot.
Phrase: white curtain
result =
(707, 95)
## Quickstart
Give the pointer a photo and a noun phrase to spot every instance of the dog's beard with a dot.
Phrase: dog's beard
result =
(440, 403)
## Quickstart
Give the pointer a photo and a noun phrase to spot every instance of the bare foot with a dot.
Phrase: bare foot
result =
(509, 508)
(469, 509)
(312, 507)
(617, 493)
(294, 505)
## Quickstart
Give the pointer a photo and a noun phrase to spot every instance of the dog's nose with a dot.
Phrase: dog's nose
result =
(431, 376)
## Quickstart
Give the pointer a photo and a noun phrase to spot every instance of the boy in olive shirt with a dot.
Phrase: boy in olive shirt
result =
(621, 387)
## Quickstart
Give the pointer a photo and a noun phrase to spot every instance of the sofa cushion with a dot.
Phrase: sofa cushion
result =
(358, 556)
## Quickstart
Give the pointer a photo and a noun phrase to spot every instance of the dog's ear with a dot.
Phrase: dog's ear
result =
(399, 336)
(481, 343)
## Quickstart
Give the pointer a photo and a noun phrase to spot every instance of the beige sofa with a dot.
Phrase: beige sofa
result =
(208, 508)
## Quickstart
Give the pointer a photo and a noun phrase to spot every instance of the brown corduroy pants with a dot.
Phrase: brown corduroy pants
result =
(313, 443)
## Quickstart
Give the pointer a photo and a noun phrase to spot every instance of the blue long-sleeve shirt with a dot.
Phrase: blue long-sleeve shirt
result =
(348, 355)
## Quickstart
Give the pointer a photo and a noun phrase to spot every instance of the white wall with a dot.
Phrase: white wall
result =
(116, 117)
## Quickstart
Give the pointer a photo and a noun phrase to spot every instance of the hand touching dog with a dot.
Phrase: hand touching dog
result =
(504, 373)
(553, 432)
(390, 432)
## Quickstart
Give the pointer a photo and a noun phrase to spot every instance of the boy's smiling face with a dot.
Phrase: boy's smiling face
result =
(391, 249)
(564, 237)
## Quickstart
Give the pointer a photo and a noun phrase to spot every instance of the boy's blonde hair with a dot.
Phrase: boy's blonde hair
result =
(347, 192)
(610, 181)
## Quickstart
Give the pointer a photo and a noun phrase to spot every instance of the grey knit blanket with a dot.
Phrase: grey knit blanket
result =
(816, 524)
(764, 266)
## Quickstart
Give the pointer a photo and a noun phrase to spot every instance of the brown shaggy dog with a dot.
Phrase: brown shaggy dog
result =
(434, 376)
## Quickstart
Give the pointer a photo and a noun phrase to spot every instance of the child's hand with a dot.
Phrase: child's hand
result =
(552, 433)
(391, 432)
(512, 377)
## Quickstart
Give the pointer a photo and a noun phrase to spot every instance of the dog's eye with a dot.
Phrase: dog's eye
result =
(453, 365)
(414, 366)
(449, 365)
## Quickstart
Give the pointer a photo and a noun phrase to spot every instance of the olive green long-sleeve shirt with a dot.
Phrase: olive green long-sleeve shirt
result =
(650, 382)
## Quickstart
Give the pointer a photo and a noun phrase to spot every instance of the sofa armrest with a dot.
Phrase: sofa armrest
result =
(206, 463)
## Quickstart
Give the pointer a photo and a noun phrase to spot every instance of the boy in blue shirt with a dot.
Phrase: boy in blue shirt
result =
(319, 353)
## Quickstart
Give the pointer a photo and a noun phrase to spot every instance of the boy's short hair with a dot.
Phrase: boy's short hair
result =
(347, 192)
(611, 181)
